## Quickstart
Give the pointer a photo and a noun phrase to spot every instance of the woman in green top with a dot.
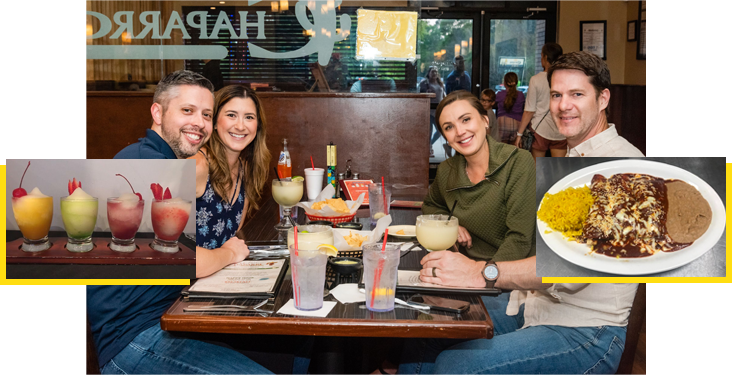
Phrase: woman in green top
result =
(494, 185)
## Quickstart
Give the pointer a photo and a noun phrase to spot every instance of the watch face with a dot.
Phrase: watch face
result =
(491, 272)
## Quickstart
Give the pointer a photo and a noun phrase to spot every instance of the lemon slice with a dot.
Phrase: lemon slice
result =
(329, 250)
(298, 179)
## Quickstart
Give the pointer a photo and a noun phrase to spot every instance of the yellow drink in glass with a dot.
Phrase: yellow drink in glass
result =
(33, 213)
(434, 232)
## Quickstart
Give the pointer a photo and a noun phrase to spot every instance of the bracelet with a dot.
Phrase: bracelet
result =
(519, 134)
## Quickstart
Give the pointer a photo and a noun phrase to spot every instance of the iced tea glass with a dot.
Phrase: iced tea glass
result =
(308, 278)
(380, 275)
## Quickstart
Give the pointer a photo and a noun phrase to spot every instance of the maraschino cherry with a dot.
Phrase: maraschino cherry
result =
(20, 192)
(128, 183)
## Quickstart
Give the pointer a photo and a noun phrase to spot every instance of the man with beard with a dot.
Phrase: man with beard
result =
(125, 319)
(182, 113)
(580, 94)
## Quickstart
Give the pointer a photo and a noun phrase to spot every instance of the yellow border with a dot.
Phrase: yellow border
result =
(5, 281)
(726, 279)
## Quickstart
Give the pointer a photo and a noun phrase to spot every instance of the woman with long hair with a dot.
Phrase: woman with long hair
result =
(231, 171)
(433, 84)
(509, 108)
(491, 182)
(538, 327)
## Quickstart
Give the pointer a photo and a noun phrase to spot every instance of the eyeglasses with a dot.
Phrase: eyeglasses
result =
(487, 101)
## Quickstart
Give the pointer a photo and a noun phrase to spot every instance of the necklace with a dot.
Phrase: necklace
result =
(238, 175)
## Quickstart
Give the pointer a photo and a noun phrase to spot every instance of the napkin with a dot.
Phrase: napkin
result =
(373, 236)
(327, 193)
(289, 309)
(348, 293)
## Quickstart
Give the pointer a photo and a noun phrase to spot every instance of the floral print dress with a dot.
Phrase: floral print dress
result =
(217, 220)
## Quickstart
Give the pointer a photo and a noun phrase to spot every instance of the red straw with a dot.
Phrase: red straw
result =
(311, 162)
(296, 288)
(383, 190)
(379, 268)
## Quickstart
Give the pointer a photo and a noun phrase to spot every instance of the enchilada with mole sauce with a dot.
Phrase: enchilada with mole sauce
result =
(628, 216)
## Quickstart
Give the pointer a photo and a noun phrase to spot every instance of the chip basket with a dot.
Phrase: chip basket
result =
(333, 219)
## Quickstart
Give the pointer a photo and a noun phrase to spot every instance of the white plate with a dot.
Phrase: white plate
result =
(580, 254)
(409, 231)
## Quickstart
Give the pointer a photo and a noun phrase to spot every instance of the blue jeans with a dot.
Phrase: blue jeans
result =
(155, 351)
(534, 350)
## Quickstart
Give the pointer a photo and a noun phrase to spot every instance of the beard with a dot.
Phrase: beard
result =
(181, 147)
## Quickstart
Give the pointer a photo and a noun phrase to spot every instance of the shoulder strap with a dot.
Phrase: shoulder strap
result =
(540, 121)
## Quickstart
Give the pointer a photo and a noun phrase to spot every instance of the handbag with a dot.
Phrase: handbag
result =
(528, 138)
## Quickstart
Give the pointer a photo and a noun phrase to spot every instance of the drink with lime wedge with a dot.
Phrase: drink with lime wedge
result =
(309, 237)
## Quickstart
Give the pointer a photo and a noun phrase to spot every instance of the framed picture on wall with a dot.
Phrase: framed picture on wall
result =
(640, 53)
(631, 31)
(593, 37)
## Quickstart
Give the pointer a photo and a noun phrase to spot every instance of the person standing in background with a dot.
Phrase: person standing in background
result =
(487, 100)
(458, 79)
(536, 111)
(509, 108)
(433, 84)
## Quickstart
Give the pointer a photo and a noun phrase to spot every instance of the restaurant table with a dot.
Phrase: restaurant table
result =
(183, 267)
(550, 170)
(349, 320)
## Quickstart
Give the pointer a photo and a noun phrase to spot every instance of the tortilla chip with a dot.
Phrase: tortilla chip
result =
(337, 204)
(355, 239)
(400, 231)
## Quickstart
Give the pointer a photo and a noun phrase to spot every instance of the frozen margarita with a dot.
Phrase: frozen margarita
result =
(125, 215)
(33, 213)
(79, 213)
(169, 217)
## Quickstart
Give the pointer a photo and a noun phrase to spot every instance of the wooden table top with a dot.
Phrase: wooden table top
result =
(349, 320)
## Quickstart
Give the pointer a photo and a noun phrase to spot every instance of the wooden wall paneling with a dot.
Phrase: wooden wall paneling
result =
(628, 113)
(384, 134)
(114, 120)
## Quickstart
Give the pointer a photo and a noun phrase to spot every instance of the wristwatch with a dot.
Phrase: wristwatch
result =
(490, 274)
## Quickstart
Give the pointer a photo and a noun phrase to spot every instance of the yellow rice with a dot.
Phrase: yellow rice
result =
(567, 210)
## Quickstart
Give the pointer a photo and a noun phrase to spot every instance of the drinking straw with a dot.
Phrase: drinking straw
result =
(296, 288)
(311, 162)
(451, 211)
(379, 268)
(383, 190)
(277, 174)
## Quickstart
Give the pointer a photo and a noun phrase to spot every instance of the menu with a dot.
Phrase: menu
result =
(248, 278)
(409, 281)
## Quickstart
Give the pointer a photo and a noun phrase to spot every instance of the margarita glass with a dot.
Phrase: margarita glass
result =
(79, 213)
(287, 194)
(169, 218)
(435, 232)
(125, 215)
(309, 237)
(33, 213)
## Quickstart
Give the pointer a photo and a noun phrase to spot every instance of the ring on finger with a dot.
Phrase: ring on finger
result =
(434, 273)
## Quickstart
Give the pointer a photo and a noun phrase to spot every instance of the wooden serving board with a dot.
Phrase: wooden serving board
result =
(101, 254)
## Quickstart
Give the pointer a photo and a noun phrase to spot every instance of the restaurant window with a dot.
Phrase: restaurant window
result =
(282, 30)
(515, 46)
